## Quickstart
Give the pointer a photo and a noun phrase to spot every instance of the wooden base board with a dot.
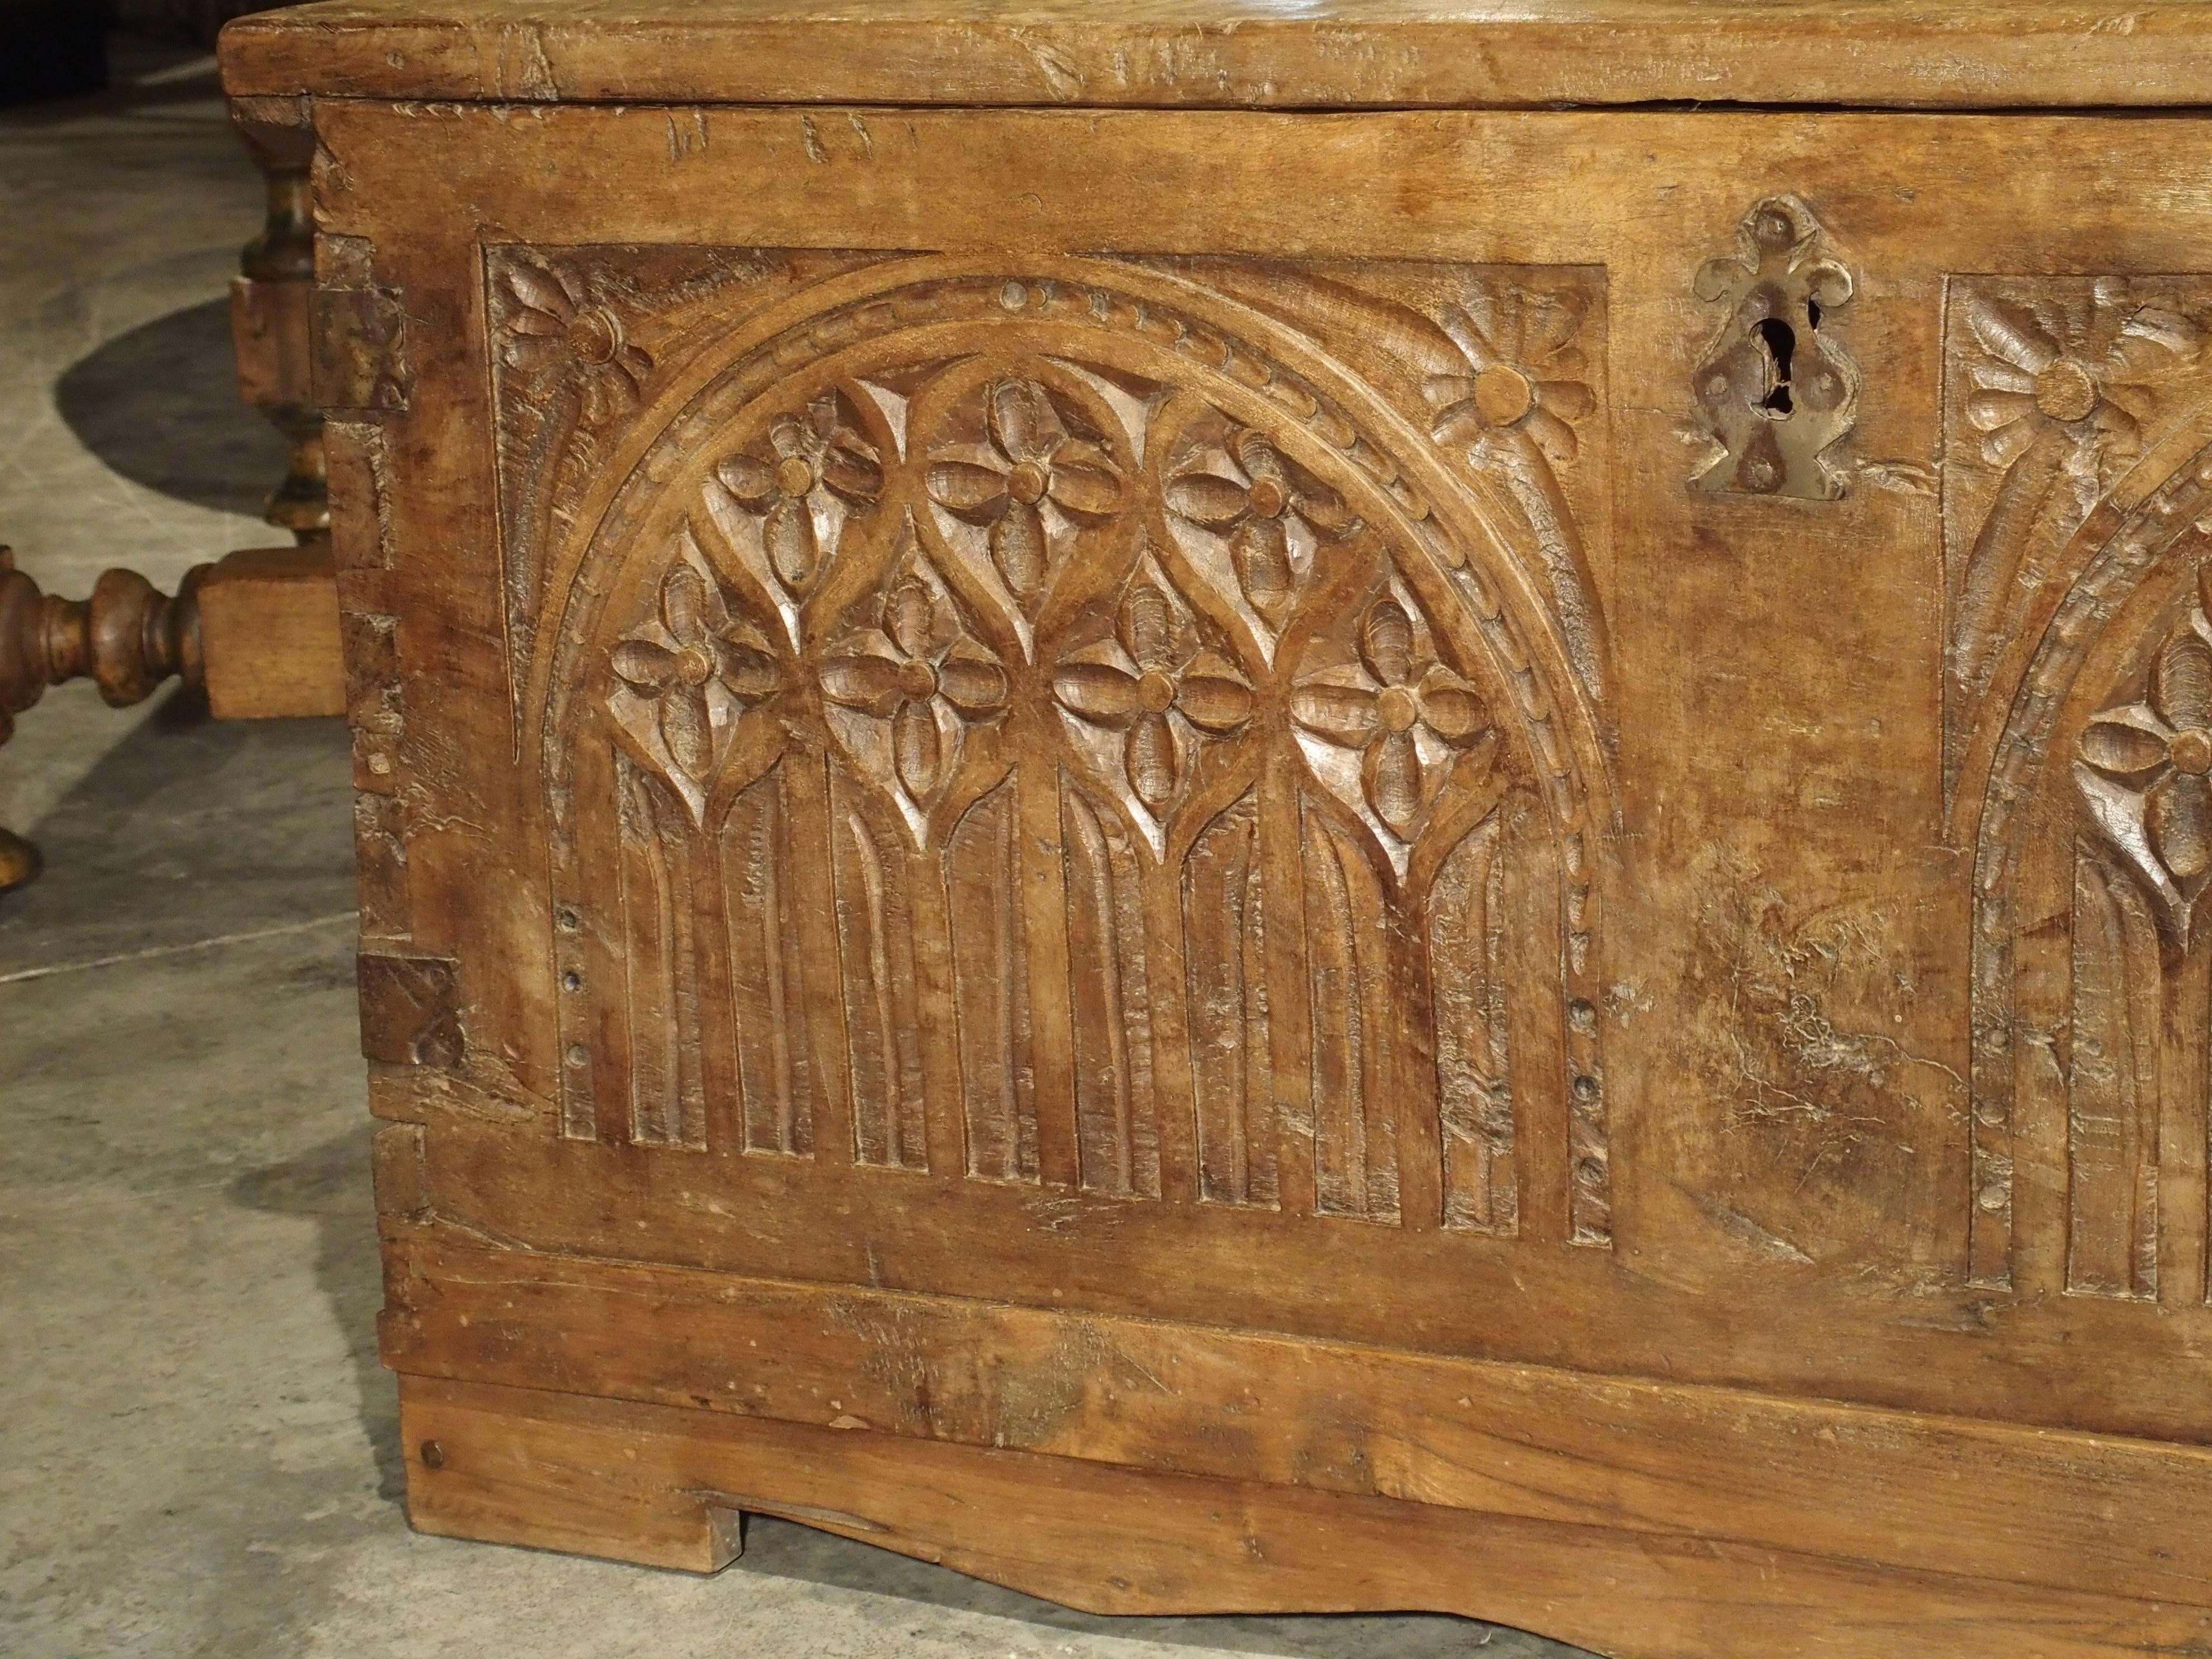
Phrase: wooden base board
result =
(664, 1485)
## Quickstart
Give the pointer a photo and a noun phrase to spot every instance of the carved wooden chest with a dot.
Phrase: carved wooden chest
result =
(1241, 807)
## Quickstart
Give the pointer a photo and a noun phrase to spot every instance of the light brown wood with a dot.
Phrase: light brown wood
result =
(659, 1484)
(1257, 858)
(269, 632)
(1906, 1489)
(1344, 54)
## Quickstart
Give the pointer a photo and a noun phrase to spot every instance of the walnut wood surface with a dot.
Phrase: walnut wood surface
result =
(1471, 842)
(1349, 53)
(664, 1485)
(270, 305)
(269, 635)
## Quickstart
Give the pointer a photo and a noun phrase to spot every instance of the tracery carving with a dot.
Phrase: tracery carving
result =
(1388, 730)
(2079, 739)
(904, 688)
(1054, 600)
(2054, 387)
(580, 336)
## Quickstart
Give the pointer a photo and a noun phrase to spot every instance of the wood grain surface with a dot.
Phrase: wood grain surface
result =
(1292, 858)
(1204, 53)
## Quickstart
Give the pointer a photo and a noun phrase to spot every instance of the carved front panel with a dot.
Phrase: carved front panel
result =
(2079, 736)
(1130, 724)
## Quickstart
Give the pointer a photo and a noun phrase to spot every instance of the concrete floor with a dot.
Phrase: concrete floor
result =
(197, 1449)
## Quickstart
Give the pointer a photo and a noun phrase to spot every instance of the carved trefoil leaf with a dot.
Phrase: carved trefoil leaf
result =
(1774, 391)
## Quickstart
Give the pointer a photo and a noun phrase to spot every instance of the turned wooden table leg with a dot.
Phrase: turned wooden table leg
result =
(269, 310)
(127, 638)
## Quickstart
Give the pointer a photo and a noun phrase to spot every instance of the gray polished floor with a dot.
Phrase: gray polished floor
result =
(198, 1447)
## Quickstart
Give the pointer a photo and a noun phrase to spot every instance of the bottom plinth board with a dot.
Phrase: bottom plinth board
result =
(664, 1487)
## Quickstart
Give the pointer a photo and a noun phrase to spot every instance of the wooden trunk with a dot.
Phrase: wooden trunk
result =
(1186, 807)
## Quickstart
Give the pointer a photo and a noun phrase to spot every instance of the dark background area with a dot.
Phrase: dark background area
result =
(58, 48)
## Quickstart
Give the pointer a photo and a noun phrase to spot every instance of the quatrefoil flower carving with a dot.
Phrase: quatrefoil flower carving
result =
(554, 321)
(1256, 513)
(1391, 708)
(703, 646)
(1523, 372)
(2146, 774)
(1036, 463)
(808, 461)
(1158, 674)
(920, 671)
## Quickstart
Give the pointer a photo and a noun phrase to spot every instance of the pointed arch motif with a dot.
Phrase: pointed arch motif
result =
(2079, 697)
(1147, 705)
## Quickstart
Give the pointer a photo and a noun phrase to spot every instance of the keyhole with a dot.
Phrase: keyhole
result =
(1781, 342)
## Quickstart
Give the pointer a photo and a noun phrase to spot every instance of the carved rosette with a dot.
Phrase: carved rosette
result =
(1525, 379)
(685, 672)
(785, 502)
(1386, 726)
(2056, 386)
(1254, 520)
(905, 687)
(1086, 613)
(1144, 704)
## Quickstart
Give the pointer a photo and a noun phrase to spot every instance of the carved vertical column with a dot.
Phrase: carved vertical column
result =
(269, 309)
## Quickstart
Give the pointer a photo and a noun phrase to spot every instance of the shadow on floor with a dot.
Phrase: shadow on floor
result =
(189, 829)
(159, 405)
(329, 1185)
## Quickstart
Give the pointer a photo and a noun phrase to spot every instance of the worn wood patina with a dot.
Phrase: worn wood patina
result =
(1176, 804)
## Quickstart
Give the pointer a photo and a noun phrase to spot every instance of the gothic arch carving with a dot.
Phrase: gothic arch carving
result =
(2079, 692)
(1095, 709)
